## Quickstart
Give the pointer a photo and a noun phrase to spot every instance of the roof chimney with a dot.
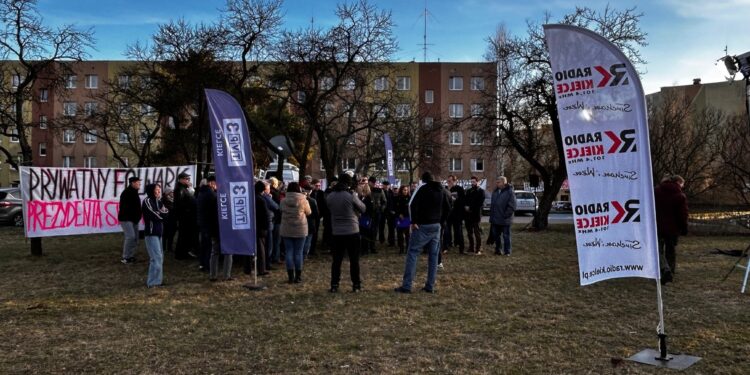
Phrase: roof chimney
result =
(696, 81)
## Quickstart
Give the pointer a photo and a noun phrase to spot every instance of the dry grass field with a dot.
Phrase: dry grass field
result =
(78, 310)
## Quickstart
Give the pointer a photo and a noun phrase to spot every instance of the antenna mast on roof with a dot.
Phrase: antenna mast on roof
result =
(424, 35)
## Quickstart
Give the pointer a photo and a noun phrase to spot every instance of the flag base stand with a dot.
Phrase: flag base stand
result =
(663, 359)
(254, 286)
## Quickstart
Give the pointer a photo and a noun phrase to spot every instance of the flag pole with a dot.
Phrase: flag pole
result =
(663, 354)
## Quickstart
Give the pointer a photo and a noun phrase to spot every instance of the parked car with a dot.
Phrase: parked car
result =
(11, 206)
(562, 206)
(526, 202)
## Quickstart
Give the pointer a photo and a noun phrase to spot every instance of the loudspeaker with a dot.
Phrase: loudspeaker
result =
(534, 180)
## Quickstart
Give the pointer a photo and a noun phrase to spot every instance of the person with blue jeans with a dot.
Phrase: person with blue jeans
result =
(502, 208)
(429, 207)
(294, 212)
(129, 215)
(154, 214)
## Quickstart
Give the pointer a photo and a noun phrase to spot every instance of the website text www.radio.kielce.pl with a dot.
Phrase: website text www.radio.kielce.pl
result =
(612, 268)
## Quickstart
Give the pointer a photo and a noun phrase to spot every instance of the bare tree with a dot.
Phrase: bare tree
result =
(525, 101)
(329, 77)
(735, 157)
(30, 56)
(686, 141)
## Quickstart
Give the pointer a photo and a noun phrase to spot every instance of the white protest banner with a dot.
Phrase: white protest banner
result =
(69, 201)
(602, 113)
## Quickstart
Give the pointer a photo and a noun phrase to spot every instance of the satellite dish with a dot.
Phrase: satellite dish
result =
(279, 142)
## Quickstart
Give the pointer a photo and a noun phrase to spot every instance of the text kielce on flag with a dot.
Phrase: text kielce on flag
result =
(602, 115)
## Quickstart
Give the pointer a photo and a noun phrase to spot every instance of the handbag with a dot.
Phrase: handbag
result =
(365, 221)
(403, 223)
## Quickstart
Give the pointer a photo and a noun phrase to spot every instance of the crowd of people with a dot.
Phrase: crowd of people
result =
(356, 216)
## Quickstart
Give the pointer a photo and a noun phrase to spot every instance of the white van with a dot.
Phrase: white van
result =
(290, 172)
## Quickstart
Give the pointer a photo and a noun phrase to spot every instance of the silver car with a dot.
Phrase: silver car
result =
(526, 202)
(11, 206)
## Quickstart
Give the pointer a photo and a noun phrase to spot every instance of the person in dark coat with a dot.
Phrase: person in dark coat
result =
(401, 208)
(671, 222)
(170, 224)
(203, 202)
(129, 215)
(429, 207)
(312, 220)
(154, 215)
(390, 213)
(211, 220)
(186, 215)
(473, 215)
(502, 209)
(454, 232)
(262, 225)
(320, 202)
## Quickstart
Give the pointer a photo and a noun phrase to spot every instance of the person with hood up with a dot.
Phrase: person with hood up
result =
(429, 207)
(294, 212)
(154, 215)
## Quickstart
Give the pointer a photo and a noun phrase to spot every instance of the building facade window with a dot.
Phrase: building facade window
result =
(69, 136)
(456, 83)
(428, 123)
(147, 110)
(402, 166)
(350, 84)
(476, 110)
(403, 83)
(125, 161)
(14, 135)
(90, 136)
(42, 149)
(89, 162)
(477, 83)
(381, 83)
(69, 109)
(455, 165)
(301, 96)
(329, 110)
(144, 136)
(455, 138)
(16, 80)
(326, 83)
(67, 161)
(477, 165)
(348, 164)
(429, 96)
(427, 151)
(89, 108)
(380, 110)
(123, 81)
(42, 122)
(403, 110)
(123, 138)
(71, 81)
(475, 138)
(456, 110)
(92, 81)
(43, 95)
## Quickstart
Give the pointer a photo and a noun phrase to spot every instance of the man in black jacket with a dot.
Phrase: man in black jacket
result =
(454, 230)
(129, 216)
(473, 209)
(185, 209)
(429, 207)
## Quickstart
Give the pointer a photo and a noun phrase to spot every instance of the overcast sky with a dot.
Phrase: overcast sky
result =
(685, 37)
